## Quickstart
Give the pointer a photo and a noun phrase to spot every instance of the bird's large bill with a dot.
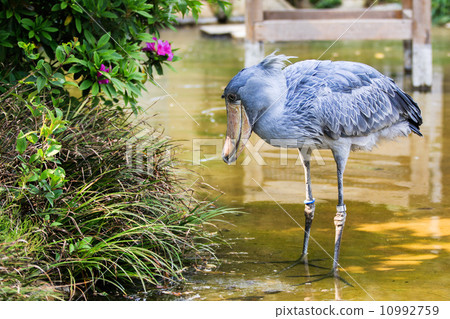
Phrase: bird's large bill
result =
(238, 132)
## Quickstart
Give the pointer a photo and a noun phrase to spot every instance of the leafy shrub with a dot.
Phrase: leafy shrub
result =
(103, 217)
(63, 154)
(57, 43)
(325, 4)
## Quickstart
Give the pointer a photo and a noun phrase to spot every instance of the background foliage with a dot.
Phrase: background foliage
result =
(440, 11)
(58, 43)
(76, 216)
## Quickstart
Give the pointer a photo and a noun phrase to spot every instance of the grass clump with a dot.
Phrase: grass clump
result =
(21, 272)
(90, 203)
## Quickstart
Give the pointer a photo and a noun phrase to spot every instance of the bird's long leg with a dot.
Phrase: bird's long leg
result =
(305, 155)
(340, 157)
(310, 206)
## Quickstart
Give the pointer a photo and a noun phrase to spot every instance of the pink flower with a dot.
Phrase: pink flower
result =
(161, 48)
(150, 46)
(99, 75)
(165, 48)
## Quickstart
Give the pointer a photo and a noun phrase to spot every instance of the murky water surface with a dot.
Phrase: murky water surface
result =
(396, 243)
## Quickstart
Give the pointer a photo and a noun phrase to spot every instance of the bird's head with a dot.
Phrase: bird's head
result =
(248, 96)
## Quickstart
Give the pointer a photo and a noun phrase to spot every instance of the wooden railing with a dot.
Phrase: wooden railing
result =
(412, 24)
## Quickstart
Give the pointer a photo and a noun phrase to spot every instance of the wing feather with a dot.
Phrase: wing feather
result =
(348, 98)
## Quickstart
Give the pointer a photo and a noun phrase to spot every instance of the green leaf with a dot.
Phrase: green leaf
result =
(40, 64)
(103, 40)
(21, 144)
(109, 14)
(53, 150)
(56, 224)
(118, 84)
(33, 158)
(95, 89)
(46, 35)
(89, 37)
(45, 186)
(40, 83)
(33, 189)
(45, 174)
(34, 177)
(45, 131)
(60, 54)
(50, 29)
(32, 137)
(59, 76)
(71, 248)
(86, 84)
(71, 83)
(78, 25)
(77, 8)
(48, 68)
(27, 22)
(75, 69)
(75, 60)
(96, 59)
(59, 172)
(59, 113)
(50, 197)
(144, 14)
(105, 89)
(58, 192)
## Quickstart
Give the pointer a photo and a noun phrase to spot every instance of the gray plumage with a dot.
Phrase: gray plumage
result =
(341, 106)
(347, 99)
(323, 101)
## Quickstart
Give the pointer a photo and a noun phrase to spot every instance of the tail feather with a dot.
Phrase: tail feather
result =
(411, 111)
(415, 129)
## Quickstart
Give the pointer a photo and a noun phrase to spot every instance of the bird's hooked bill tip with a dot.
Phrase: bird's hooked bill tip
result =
(229, 151)
(229, 159)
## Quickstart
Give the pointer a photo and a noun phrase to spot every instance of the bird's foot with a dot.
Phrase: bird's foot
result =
(303, 260)
(331, 274)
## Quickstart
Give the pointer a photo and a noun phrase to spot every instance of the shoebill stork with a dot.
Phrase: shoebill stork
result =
(342, 106)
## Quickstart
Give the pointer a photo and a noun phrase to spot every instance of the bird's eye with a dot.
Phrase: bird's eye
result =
(232, 97)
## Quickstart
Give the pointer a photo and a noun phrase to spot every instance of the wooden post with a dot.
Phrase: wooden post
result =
(407, 44)
(254, 50)
(422, 72)
(253, 13)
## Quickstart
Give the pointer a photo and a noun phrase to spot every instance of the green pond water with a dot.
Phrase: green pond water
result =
(396, 242)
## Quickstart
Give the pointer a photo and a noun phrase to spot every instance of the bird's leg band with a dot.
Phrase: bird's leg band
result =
(309, 216)
(339, 219)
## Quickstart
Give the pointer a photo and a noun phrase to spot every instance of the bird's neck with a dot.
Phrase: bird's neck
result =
(267, 123)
